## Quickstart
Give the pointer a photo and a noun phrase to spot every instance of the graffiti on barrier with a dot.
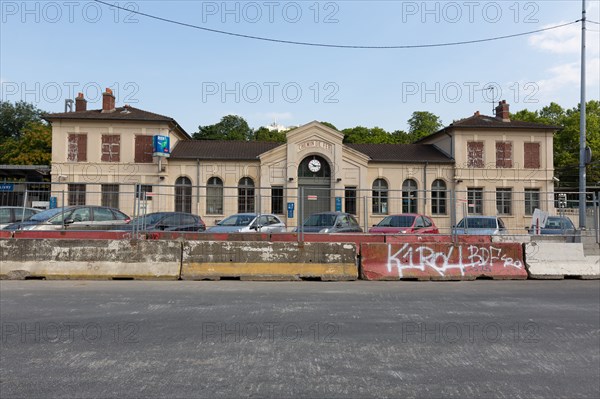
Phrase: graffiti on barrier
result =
(474, 258)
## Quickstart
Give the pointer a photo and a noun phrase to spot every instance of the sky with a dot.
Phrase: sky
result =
(51, 50)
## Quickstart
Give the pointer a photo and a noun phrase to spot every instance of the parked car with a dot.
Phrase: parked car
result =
(15, 214)
(81, 217)
(555, 225)
(480, 225)
(330, 222)
(249, 222)
(407, 223)
(166, 221)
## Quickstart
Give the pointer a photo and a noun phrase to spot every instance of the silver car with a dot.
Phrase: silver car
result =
(82, 217)
(249, 222)
(480, 225)
(14, 214)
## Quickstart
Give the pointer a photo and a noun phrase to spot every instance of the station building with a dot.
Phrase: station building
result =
(488, 165)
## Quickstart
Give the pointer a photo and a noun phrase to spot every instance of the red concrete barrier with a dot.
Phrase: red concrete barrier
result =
(356, 238)
(442, 261)
(5, 234)
(402, 238)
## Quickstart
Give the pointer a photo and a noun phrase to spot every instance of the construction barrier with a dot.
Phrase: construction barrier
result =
(442, 261)
(430, 238)
(355, 238)
(212, 260)
(554, 260)
(90, 259)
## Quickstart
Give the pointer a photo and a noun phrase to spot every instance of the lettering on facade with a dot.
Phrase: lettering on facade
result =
(315, 144)
(472, 259)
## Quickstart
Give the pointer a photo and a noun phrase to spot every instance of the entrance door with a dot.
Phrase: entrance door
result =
(314, 183)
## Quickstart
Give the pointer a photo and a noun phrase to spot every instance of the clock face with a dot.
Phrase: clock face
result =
(314, 166)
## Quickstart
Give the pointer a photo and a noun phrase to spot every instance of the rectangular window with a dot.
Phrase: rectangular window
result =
(532, 155)
(277, 200)
(438, 202)
(475, 154)
(214, 199)
(111, 148)
(110, 195)
(141, 191)
(143, 149)
(77, 148)
(76, 194)
(503, 154)
(350, 200)
(475, 201)
(532, 200)
(504, 201)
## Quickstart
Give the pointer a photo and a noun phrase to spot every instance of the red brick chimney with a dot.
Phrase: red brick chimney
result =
(80, 103)
(108, 101)
(502, 111)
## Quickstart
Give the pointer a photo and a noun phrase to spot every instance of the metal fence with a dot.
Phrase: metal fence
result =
(213, 203)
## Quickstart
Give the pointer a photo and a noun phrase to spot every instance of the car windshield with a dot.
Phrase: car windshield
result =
(478, 223)
(319, 220)
(47, 214)
(397, 221)
(558, 223)
(149, 219)
(237, 220)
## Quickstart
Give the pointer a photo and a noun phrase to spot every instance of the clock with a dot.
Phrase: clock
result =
(314, 165)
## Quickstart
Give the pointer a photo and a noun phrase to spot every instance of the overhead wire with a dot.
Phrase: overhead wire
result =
(329, 45)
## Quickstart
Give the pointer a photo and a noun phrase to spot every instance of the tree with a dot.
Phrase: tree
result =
(423, 123)
(264, 134)
(15, 117)
(231, 127)
(33, 147)
(566, 140)
(331, 125)
(363, 135)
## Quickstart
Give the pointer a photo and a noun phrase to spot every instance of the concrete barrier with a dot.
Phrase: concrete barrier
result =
(90, 259)
(442, 261)
(554, 260)
(211, 260)
(431, 238)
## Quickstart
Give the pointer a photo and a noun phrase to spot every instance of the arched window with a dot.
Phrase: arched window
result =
(246, 195)
(409, 196)
(214, 196)
(183, 195)
(438, 197)
(380, 196)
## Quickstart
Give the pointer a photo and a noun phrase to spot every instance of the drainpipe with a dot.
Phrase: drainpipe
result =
(197, 183)
(425, 187)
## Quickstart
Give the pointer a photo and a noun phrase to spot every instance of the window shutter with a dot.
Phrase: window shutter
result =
(143, 149)
(77, 148)
(503, 154)
(532, 155)
(111, 148)
(475, 154)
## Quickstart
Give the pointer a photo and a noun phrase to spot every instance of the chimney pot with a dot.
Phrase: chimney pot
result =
(502, 111)
(108, 101)
(80, 103)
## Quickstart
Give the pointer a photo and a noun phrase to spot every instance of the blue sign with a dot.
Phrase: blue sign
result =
(290, 209)
(7, 187)
(338, 204)
(161, 146)
(53, 202)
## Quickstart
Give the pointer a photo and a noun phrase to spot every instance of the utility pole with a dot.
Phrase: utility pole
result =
(582, 152)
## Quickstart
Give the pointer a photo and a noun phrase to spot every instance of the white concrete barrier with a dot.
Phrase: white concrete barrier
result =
(90, 259)
(553, 260)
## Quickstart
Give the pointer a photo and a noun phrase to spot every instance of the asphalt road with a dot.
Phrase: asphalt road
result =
(484, 339)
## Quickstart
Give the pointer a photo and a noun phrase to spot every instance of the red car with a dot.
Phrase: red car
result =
(407, 223)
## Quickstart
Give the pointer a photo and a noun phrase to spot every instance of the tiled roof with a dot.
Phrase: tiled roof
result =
(221, 149)
(484, 121)
(126, 113)
(250, 150)
(402, 153)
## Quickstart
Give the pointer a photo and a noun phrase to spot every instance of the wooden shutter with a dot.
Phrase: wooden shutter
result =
(503, 154)
(532, 155)
(77, 148)
(475, 154)
(111, 148)
(143, 149)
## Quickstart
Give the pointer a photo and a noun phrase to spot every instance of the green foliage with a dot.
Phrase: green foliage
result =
(33, 147)
(264, 134)
(15, 117)
(331, 125)
(566, 140)
(363, 135)
(423, 123)
(231, 127)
